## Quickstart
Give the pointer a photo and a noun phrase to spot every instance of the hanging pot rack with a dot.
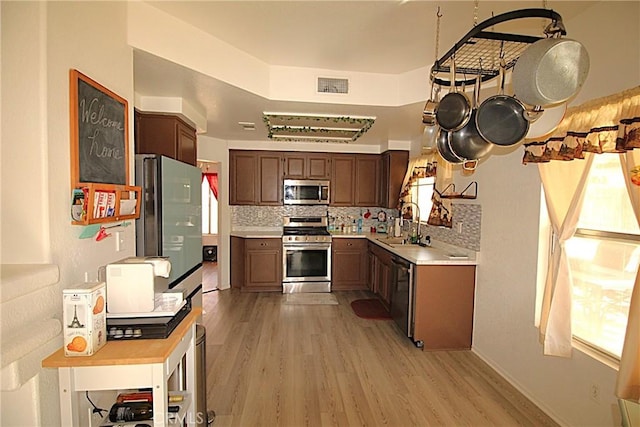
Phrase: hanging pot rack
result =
(487, 47)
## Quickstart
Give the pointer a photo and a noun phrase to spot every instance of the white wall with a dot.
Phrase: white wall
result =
(216, 150)
(504, 332)
(41, 41)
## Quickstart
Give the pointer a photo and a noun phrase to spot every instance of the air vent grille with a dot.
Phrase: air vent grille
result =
(331, 85)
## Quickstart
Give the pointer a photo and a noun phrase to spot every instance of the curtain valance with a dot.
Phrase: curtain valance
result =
(605, 125)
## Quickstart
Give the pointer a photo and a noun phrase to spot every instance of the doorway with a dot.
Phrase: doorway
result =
(210, 222)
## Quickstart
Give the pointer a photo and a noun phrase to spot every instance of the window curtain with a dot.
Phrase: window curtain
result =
(605, 125)
(563, 205)
(430, 164)
(628, 384)
(212, 179)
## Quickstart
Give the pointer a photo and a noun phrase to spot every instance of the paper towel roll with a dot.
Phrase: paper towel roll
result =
(161, 266)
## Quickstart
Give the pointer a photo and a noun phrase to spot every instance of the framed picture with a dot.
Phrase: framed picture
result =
(99, 133)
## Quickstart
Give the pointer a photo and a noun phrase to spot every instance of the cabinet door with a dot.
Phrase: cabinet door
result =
(393, 169)
(155, 134)
(263, 264)
(444, 300)
(318, 166)
(294, 165)
(349, 264)
(366, 180)
(342, 180)
(237, 262)
(167, 135)
(187, 148)
(270, 179)
(307, 166)
(242, 177)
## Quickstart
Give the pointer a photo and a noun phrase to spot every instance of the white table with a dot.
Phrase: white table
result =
(130, 364)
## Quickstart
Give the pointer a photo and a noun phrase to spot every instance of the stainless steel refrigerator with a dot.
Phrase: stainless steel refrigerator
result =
(170, 223)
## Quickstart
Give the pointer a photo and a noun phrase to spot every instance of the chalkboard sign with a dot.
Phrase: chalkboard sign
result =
(99, 133)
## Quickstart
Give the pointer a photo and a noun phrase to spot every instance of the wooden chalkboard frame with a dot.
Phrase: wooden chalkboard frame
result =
(99, 133)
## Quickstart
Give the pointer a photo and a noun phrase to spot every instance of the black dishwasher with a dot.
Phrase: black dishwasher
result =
(402, 295)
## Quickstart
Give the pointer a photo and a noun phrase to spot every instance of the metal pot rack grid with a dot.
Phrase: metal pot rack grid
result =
(487, 47)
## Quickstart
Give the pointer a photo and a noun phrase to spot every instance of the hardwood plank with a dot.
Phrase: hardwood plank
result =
(273, 364)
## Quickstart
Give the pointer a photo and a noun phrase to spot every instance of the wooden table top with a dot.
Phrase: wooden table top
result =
(127, 352)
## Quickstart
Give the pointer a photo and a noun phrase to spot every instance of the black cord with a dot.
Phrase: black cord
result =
(96, 410)
(210, 290)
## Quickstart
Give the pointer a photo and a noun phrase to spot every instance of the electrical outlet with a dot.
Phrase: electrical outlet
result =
(459, 228)
(120, 241)
(594, 392)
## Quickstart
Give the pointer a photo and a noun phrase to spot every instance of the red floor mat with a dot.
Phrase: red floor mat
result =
(370, 308)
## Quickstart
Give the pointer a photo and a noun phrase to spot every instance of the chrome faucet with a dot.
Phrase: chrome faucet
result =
(414, 216)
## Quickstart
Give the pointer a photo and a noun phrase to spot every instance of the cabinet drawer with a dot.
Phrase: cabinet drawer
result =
(349, 244)
(266, 244)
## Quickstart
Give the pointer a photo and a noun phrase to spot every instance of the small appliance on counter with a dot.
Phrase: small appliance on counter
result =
(134, 282)
(139, 301)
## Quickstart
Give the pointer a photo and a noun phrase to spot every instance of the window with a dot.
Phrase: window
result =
(209, 210)
(421, 193)
(604, 255)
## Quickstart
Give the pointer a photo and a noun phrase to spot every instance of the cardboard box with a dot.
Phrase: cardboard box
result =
(85, 326)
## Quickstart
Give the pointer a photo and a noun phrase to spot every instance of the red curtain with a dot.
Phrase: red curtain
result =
(212, 179)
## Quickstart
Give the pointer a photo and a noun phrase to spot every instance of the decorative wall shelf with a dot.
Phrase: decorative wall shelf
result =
(450, 192)
(104, 203)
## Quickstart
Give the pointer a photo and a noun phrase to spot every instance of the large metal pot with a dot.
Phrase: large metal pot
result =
(502, 119)
(454, 109)
(444, 147)
(550, 71)
(545, 120)
(467, 143)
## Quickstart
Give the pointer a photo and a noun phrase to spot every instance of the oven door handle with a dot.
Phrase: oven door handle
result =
(305, 246)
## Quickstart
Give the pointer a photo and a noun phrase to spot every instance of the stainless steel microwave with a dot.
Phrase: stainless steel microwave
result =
(306, 192)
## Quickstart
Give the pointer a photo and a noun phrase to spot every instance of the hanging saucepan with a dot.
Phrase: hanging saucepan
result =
(546, 120)
(430, 108)
(502, 119)
(550, 71)
(444, 147)
(467, 143)
(429, 136)
(454, 109)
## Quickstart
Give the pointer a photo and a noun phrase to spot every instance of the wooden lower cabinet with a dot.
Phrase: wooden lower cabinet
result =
(348, 264)
(380, 273)
(256, 264)
(444, 303)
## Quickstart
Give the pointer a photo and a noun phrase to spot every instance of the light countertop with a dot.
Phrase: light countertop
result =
(438, 253)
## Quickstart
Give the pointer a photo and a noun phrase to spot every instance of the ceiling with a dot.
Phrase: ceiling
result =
(387, 37)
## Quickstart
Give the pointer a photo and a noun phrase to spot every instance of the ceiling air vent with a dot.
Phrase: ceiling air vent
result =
(329, 85)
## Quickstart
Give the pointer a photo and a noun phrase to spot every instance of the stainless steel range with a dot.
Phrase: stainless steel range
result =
(306, 255)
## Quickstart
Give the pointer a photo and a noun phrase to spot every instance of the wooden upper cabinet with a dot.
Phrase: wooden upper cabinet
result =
(366, 179)
(342, 180)
(307, 166)
(255, 178)
(165, 134)
(243, 176)
(270, 178)
(393, 167)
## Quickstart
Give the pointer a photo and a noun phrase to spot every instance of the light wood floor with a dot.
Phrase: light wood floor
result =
(273, 364)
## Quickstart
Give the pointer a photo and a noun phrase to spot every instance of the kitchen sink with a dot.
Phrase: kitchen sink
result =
(392, 241)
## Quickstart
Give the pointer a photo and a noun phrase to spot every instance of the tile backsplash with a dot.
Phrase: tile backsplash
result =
(466, 216)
